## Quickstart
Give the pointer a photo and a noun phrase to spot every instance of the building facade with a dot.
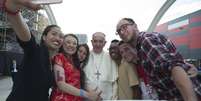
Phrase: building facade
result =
(9, 47)
(185, 32)
(82, 38)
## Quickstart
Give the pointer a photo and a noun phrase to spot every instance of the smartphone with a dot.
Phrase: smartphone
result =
(47, 1)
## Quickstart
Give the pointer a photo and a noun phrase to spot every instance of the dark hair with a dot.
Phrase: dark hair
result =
(87, 56)
(130, 20)
(121, 42)
(46, 30)
(74, 56)
(115, 40)
(84, 62)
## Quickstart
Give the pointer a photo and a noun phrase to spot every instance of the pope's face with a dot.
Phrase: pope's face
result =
(98, 43)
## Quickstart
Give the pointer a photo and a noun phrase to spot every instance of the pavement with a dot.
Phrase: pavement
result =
(5, 87)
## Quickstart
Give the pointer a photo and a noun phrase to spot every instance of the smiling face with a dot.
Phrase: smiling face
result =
(54, 38)
(70, 45)
(114, 51)
(127, 52)
(82, 53)
(127, 30)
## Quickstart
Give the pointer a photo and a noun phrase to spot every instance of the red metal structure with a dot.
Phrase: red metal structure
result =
(185, 32)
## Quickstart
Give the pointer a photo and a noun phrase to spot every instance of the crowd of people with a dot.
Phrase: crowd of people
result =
(140, 66)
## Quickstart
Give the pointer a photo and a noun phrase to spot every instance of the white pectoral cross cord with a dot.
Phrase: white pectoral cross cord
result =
(97, 62)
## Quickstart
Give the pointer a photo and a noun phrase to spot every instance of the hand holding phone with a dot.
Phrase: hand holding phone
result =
(47, 1)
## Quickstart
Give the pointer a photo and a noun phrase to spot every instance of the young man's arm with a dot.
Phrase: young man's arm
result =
(163, 54)
(183, 83)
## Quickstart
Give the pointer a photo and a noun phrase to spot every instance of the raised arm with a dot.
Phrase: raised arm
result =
(15, 18)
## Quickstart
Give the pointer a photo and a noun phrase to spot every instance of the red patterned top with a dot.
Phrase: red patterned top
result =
(72, 77)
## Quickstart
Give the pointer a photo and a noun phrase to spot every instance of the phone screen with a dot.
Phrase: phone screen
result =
(47, 1)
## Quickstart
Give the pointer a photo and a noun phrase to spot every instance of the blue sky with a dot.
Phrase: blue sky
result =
(89, 16)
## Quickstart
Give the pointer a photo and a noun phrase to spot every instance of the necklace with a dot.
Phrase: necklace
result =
(97, 64)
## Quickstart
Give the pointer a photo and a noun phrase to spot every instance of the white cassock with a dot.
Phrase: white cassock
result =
(101, 72)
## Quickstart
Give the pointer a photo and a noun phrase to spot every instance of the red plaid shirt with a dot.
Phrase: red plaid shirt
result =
(158, 55)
